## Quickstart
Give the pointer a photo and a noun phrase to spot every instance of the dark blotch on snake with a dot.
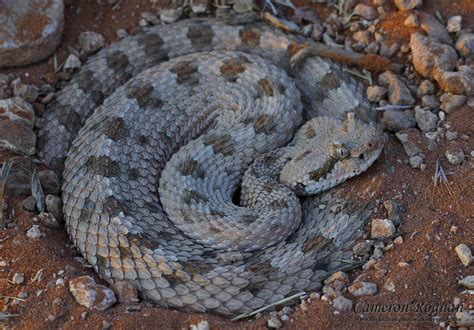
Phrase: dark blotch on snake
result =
(200, 35)
(143, 94)
(186, 72)
(231, 69)
(114, 128)
(330, 82)
(102, 165)
(221, 144)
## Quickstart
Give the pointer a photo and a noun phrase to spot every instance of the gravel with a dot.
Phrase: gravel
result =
(454, 24)
(342, 304)
(412, 21)
(366, 11)
(90, 41)
(435, 29)
(426, 120)
(398, 120)
(465, 45)
(408, 4)
(18, 278)
(450, 102)
(34, 232)
(72, 62)
(398, 92)
(54, 205)
(468, 282)
(91, 295)
(426, 87)
(376, 93)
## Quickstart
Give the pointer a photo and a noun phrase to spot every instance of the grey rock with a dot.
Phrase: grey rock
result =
(17, 109)
(465, 45)
(121, 33)
(412, 21)
(50, 182)
(434, 28)
(34, 232)
(372, 48)
(18, 278)
(29, 32)
(464, 253)
(454, 24)
(342, 304)
(91, 295)
(170, 15)
(29, 203)
(398, 92)
(450, 102)
(150, 17)
(366, 11)
(451, 136)
(27, 92)
(362, 249)
(467, 282)
(426, 120)
(72, 62)
(382, 228)
(363, 289)
(54, 205)
(430, 57)
(408, 4)
(416, 161)
(396, 120)
(200, 6)
(388, 49)
(430, 101)
(376, 93)
(426, 87)
(410, 147)
(317, 31)
(455, 157)
(90, 41)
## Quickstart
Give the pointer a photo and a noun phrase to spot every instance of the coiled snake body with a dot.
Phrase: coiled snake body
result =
(183, 115)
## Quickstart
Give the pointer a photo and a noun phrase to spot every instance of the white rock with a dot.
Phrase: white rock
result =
(454, 23)
(468, 282)
(18, 278)
(34, 232)
(464, 253)
(203, 325)
(90, 41)
(72, 62)
(91, 295)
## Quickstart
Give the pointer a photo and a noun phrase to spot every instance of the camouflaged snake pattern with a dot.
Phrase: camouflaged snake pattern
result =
(179, 114)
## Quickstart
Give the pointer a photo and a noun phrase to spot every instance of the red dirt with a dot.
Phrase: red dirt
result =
(429, 240)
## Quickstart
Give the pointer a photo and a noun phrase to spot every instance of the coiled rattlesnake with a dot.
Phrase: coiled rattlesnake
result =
(180, 112)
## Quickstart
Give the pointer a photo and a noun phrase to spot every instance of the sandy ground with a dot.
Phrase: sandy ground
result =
(428, 224)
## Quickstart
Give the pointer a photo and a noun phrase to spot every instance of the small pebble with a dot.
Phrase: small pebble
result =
(34, 232)
(464, 253)
(18, 278)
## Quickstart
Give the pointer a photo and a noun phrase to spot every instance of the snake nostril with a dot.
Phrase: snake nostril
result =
(362, 156)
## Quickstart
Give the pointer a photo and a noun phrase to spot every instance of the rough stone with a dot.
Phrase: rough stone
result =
(18, 134)
(450, 102)
(458, 82)
(410, 147)
(416, 161)
(362, 249)
(397, 120)
(454, 24)
(362, 37)
(464, 253)
(29, 203)
(90, 41)
(365, 11)
(426, 120)
(274, 323)
(27, 92)
(72, 62)
(412, 21)
(468, 282)
(18, 278)
(151, 18)
(29, 33)
(382, 228)
(54, 205)
(451, 136)
(398, 92)
(90, 294)
(376, 93)
(47, 219)
(430, 101)
(170, 15)
(34, 232)
(337, 276)
(389, 49)
(342, 304)
(455, 157)
(425, 87)
(17, 109)
(363, 289)
(430, 57)
(125, 292)
(465, 45)
(50, 182)
(408, 4)
(434, 28)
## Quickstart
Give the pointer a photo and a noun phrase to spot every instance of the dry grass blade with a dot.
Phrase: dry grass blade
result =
(13, 298)
(367, 76)
(394, 107)
(7, 165)
(264, 308)
(37, 190)
(39, 276)
(441, 178)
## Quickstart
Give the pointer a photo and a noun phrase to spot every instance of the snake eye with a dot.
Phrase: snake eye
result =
(340, 152)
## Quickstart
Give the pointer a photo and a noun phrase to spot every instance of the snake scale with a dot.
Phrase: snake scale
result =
(187, 164)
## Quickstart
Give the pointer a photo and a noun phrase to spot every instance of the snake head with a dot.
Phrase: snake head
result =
(327, 151)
